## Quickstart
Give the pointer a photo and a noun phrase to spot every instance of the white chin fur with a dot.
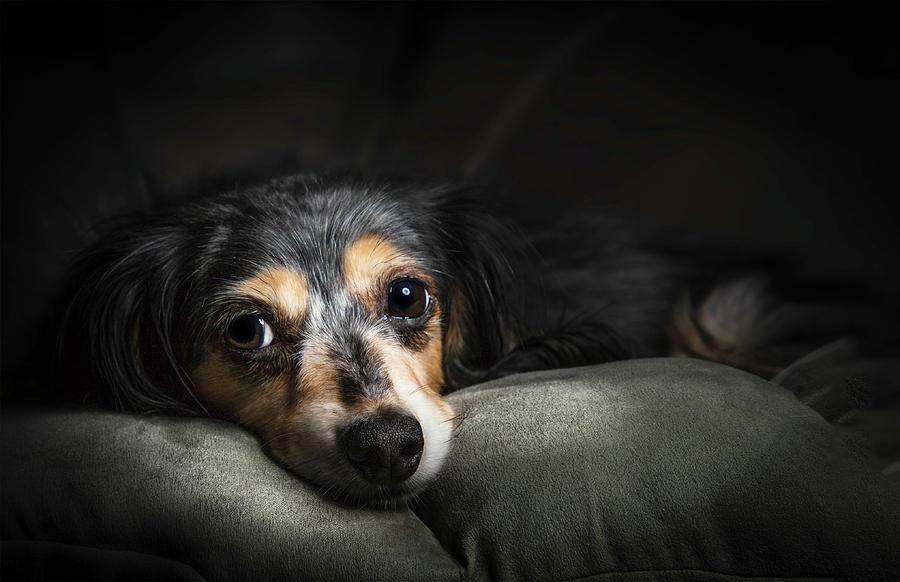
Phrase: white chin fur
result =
(437, 429)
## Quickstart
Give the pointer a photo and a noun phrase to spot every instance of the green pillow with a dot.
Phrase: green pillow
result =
(638, 470)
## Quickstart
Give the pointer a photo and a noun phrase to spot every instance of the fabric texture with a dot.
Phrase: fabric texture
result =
(858, 393)
(641, 470)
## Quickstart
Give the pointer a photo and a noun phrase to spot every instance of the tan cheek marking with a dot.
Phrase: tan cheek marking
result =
(431, 362)
(284, 289)
(454, 341)
(267, 407)
(255, 405)
(431, 359)
(422, 370)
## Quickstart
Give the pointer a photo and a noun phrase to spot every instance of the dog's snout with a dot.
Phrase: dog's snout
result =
(385, 449)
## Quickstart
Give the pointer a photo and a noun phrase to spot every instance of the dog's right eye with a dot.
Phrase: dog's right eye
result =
(249, 332)
(407, 299)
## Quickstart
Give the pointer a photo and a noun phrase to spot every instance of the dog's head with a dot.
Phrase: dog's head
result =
(327, 316)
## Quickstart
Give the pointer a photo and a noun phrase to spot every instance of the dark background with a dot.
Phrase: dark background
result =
(770, 124)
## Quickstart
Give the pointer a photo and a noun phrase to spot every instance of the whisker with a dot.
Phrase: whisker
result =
(457, 420)
(419, 389)
(279, 435)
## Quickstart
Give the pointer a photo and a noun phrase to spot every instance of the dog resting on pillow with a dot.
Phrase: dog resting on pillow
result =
(329, 314)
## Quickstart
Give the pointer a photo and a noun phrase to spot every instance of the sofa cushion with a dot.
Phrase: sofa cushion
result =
(644, 469)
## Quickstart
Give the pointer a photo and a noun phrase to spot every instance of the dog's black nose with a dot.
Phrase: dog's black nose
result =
(385, 449)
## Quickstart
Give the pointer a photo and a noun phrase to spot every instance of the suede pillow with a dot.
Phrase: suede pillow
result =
(639, 470)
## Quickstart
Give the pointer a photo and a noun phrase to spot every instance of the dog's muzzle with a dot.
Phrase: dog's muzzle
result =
(385, 449)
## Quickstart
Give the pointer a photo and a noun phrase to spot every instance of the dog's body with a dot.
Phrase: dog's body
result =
(328, 315)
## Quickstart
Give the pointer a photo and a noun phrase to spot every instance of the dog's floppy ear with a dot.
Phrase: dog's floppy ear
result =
(485, 298)
(117, 332)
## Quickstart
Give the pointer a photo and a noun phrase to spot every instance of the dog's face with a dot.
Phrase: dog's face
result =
(325, 318)
(337, 365)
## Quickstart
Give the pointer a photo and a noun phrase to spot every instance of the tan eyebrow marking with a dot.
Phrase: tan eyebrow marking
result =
(283, 289)
(367, 259)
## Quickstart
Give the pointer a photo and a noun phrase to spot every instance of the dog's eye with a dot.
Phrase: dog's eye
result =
(407, 298)
(249, 332)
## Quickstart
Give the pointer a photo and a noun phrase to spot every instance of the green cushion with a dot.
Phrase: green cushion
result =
(635, 470)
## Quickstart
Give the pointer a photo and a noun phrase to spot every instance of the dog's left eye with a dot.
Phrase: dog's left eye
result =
(249, 332)
(407, 298)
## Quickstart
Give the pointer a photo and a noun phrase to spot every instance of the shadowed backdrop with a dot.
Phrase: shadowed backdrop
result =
(770, 124)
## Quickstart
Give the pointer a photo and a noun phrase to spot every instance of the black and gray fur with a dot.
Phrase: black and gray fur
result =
(148, 297)
(595, 289)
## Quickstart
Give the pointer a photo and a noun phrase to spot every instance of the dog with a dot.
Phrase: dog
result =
(329, 314)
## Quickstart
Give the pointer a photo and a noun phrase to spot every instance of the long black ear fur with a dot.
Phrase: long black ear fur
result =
(499, 323)
(483, 264)
(117, 337)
